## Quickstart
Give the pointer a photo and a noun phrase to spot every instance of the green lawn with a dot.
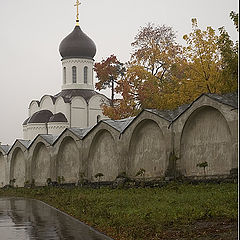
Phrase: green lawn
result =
(141, 213)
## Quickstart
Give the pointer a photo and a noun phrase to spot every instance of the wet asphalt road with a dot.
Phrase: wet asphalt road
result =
(24, 219)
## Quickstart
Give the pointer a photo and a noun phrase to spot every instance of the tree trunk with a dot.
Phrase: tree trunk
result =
(112, 97)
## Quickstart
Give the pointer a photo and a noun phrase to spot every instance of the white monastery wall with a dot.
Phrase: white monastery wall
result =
(2, 170)
(68, 161)
(206, 131)
(17, 167)
(40, 164)
(147, 150)
(103, 157)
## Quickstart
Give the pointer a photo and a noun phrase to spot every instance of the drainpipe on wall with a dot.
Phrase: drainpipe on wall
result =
(88, 114)
(172, 137)
(46, 127)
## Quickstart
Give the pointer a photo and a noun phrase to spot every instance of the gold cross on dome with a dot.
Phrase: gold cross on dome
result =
(76, 5)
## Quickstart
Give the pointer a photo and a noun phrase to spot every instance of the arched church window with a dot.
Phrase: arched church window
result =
(64, 75)
(85, 74)
(74, 74)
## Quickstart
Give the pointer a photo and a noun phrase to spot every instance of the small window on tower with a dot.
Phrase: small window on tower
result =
(85, 74)
(64, 75)
(74, 74)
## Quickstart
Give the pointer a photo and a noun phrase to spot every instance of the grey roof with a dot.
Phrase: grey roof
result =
(68, 94)
(49, 138)
(5, 148)
(25, 143)
(230, 99)
(77, 44)
(42, 116)
(161, 113)
(119, 125)
(58, 117)
(80, 132)
(169, 115)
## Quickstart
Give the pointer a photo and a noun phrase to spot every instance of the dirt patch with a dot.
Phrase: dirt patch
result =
(203, 230)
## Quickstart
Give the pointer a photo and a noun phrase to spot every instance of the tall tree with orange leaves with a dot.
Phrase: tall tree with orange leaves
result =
(109, 72)
(162, 74)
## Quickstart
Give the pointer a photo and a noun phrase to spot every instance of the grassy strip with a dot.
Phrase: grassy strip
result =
(140, 213)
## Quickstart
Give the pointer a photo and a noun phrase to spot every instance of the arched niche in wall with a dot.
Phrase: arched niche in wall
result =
(68, 161)
(33, 107)
(41, 164)
(2, 170)
(95, 109)
(102, 157)
(47, 103)
(17, 167)
(147, 150)
(60, 105)
(206, 138)
(78, 112)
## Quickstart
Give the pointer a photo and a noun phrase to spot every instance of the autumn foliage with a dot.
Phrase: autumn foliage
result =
(162, 74)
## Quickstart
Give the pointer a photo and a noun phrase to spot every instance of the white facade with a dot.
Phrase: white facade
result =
(78, 112)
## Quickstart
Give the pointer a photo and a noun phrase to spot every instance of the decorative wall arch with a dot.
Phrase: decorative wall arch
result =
(47, 103)
(147, 150)
(102, 156)
(33, 107)
(41, 164)
(18, 167)
(206, 137)
(2, 170)
(68, 160)
(61, 106)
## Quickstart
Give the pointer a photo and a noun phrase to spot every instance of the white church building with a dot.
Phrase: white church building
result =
(77, 105)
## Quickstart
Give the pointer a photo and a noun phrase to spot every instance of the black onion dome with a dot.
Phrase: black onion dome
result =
(42, 116)
(58, 117)
(77, 44)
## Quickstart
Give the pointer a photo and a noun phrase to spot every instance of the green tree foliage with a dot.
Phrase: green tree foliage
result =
(234, 17)
(229, 53)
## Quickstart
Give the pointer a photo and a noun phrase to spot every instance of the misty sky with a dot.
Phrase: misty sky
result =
(31, 31)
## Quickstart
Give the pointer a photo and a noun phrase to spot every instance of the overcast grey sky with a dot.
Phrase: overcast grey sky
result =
(31, 31)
